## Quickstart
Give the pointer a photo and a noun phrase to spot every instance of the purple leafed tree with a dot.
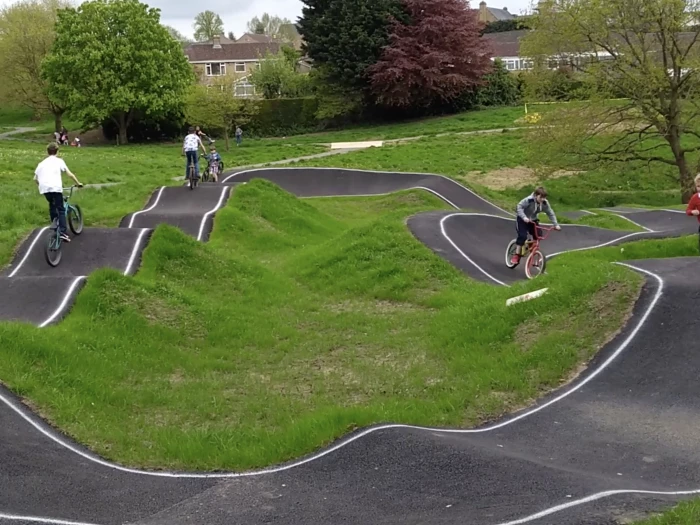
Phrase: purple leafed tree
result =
(436, 56)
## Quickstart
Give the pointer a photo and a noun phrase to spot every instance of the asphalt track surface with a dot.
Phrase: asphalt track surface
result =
(620, 440)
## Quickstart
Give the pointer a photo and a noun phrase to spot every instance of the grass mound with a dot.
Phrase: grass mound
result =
(299, 321)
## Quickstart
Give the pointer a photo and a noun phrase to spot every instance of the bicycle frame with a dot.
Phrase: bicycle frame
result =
(534, 243)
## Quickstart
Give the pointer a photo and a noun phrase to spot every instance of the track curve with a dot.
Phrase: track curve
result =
(580, 455)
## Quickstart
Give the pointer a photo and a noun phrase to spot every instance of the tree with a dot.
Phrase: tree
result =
(277, 77)
(178, 36)
(207, 25)
(501, 88)
(433, 58)
(636, 49)
(502, 26)
(127, 64)
(27, 32)
(215, 108)
(231, 36)
(267, 25)
(347, 37)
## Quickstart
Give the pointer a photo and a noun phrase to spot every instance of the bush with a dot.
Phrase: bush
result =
(284, 116)
(544, 85)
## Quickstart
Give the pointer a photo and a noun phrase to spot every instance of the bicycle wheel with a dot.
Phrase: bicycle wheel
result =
(52, 249)
(510, 251)
(205, 175)
(75, 219)
(535, 264)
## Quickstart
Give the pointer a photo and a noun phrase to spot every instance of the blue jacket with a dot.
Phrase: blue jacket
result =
(529, 208)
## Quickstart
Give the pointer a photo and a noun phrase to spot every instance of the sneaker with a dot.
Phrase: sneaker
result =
(515, 259)
(65, 238)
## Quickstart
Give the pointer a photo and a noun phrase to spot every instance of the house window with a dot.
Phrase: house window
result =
(512, 65)
(240, 67)
(245, 89)
(215, 69)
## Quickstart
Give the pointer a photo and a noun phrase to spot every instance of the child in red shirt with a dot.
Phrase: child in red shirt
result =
(694, 204)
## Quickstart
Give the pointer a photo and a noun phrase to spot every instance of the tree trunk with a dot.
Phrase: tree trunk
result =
(226, 137)
(685, 177)
(122, 125)
(58, 120)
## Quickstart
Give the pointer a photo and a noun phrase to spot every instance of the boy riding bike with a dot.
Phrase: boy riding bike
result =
(190, 146)
(48, 178)
(526, 220)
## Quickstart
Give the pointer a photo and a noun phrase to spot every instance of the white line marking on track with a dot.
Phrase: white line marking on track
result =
(134, 252)
(210, 212)
(64, 302)
(31, 247)
(155, 203)
(37, 519)
(630, 220)
(451, 181)
(439, 195)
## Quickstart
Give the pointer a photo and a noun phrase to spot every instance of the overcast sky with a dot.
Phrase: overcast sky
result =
(236, 13)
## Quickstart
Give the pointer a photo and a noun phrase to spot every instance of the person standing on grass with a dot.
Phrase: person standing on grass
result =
(239, 135)
(50, 182)
(694, 204)
(527, 211)
(190, 146)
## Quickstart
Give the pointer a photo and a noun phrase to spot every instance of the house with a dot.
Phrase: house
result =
(492, 14)
(506, 46)
(222, 56)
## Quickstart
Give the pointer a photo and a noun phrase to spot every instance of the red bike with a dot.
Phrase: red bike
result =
(536, 260)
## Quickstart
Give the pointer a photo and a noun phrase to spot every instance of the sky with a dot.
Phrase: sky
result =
(236, 13)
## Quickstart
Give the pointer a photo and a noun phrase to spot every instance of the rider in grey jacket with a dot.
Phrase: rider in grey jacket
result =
(526, 218)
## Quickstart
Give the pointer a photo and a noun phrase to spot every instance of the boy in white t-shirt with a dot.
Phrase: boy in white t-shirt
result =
(48, 178)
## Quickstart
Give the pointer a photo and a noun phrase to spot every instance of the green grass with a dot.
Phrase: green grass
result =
(603, 219)
(21, 117)
(687, 513)
(478, 120)
(138, 169)
(304, 320)
(463, 157)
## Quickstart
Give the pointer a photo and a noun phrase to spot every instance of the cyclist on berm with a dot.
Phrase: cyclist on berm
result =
(526, 218)
(190, 146)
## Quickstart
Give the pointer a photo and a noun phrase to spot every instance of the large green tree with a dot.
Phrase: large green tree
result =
(113, 59)
(347, 37)
(178, 36)
(215, 108)
(207, 25)
(267, 24)
(27, 32)
(277, 77)
(638, 50)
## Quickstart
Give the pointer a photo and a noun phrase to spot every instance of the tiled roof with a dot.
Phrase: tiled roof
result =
(230, 52)
(261, 39)
(505, 44)
(501, 14)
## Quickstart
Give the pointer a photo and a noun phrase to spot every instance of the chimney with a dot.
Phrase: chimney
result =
(505, 9)
(483, 12)
(217, 42)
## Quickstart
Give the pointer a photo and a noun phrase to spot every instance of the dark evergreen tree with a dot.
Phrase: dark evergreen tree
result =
(347, 36)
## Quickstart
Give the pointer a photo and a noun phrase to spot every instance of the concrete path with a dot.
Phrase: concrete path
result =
(15, 131)
(621, 439)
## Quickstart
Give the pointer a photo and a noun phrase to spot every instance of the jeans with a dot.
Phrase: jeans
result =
(523, 228)
(57, 210)
(238, 140)
(192, 157)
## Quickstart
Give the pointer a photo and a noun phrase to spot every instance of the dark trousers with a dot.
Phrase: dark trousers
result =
(192, 158)
(57, 210)
(523, 228)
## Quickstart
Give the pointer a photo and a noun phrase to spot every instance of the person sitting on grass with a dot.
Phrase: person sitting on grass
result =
(48, 178)
(526, 220)
(214, 162)
(190, 146)
(694, 204)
